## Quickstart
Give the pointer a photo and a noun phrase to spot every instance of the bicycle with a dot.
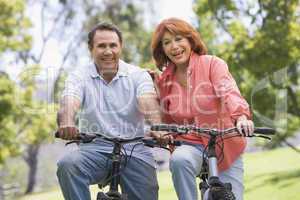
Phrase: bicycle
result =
(113, 180)
(210, 186)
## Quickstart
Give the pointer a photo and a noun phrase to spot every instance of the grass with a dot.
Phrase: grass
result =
(273, 175)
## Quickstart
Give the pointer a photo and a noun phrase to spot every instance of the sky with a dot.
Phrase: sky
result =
(176, 8)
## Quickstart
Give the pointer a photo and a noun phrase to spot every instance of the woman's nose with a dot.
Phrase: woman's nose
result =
(174, 45)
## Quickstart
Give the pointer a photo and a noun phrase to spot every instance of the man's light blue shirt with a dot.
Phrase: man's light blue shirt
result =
(111, 108)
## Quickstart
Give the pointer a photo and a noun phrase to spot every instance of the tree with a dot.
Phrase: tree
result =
(13, 37)
(36, 120)
(35, 112)
(260, 42)
(13, 23)
(8, 145)
(68, 23)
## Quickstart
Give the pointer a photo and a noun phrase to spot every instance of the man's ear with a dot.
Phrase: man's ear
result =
(90, 50)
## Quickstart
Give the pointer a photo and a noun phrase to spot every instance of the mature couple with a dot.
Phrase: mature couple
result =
(117, 99)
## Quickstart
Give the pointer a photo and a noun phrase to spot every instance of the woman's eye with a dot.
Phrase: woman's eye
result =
(166, 42)
(178, 38)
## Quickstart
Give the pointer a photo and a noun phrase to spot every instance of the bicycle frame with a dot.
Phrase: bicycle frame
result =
(211, 187)
(113, 193)
(115, 175)
(209, 174)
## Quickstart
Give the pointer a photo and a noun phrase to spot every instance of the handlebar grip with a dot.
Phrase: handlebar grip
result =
(175, 143)
(83, 137)
(150, 142)
(154, 143)
(264, 131)
(56, 134)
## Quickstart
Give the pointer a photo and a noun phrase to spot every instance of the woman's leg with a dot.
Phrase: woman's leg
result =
(235, 176)
(185, 165)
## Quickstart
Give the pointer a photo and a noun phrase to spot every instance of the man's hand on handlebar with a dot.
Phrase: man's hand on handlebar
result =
(68, 132)
(245, 126)
(162, 137)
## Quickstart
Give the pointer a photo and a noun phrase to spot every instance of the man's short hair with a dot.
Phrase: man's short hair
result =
(103, 26)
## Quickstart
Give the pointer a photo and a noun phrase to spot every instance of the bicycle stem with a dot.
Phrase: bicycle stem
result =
(212, 157)
(115, 167)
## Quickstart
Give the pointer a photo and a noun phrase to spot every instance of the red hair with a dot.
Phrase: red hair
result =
(175, 26)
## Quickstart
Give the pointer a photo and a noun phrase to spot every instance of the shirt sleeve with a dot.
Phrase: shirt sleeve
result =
(74, 86)
(227, 90)
(144, 83)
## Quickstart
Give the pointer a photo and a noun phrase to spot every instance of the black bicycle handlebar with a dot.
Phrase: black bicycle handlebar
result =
(181, 129)
(150, 142)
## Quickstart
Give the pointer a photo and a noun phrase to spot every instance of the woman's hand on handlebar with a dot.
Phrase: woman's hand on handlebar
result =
(162, 137)
(245, 126)
(68, 132)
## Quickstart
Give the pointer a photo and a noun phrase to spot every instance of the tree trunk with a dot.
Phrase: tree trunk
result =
(1, 191)
(1, 185)
(31, 159)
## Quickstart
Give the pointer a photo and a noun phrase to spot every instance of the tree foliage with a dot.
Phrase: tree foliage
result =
(8, 145)
(128, 16)
(13, 37)
(260, 42)
(12, 26)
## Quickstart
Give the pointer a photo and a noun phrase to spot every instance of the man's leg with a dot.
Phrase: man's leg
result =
(139, 180)
(78, 169)
(234, 175)
(185, 165)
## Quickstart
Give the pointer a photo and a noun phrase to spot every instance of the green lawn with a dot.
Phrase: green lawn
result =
(272, 175)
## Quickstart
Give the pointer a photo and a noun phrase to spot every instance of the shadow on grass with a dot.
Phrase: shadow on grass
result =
(282, 179)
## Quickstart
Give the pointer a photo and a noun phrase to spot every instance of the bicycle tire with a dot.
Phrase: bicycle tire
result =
(221, 193)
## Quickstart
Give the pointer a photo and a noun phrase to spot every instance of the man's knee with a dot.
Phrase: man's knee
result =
(66, 165)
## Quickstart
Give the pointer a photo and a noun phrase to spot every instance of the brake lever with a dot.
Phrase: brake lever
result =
(261, 136)
(73, 141)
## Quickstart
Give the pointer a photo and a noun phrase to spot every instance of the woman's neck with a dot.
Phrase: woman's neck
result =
(181, 76)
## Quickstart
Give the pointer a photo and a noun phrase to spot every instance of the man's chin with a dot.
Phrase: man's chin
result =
(109, 69)
(108, 66)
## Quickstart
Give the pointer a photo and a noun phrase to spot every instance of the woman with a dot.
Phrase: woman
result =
(198, 89)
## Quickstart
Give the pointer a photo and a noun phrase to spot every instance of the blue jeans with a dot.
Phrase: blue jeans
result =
(86, 166)
(185, 165)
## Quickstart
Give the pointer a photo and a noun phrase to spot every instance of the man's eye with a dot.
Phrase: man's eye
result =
(113, 45)
(101, 46)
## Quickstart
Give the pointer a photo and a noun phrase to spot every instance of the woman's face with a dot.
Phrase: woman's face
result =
(177, 48)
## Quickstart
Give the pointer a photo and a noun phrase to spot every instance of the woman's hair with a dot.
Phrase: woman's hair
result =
(174, 26)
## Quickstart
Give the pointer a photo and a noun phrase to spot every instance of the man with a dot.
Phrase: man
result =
(114, 99)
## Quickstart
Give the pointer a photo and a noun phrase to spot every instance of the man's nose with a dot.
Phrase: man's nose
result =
(107, 51)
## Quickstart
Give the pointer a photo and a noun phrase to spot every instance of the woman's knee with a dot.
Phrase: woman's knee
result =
(179, 160)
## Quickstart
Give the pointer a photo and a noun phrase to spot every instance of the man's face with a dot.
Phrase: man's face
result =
(106, 50)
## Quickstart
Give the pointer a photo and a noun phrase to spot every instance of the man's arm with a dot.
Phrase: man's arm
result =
(149, 106)
(69, 106)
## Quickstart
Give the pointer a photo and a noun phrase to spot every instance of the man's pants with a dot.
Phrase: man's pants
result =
(86, 166)
(185, 165)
